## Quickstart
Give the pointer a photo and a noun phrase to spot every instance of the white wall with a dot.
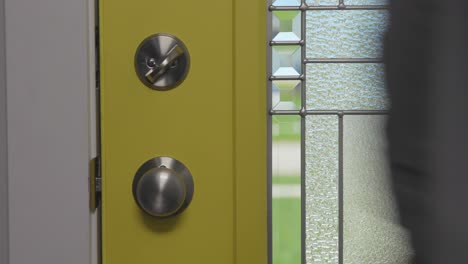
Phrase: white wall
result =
(48, 131)
(3, 147)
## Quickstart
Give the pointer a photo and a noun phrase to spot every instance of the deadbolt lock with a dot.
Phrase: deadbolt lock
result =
(162, 62)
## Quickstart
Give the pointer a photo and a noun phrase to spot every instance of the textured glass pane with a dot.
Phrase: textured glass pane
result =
(345, 34)
(287, 3)
(346, 86)
(322, 189)
(286, 192)
(286, 60)
(322, 2)
(366, 2)
(286, 95)
(372, 233)
(286, 25)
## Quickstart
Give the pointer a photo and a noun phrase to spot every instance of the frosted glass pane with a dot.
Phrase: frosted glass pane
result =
(286, 25)
(345, 34)
(371, 230)
(366, 2)
(286, 95)
(322, 2)
(287, 3)
(346, 86)
(286, 61)
(286, 189)
(322, 190)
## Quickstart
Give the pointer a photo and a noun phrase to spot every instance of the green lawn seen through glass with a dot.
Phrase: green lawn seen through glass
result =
(286, 217)
(286, 180)
(286, 129)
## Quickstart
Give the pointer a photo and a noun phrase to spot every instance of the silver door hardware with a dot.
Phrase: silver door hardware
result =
(94, 183)
(162, 61)
(163, 187)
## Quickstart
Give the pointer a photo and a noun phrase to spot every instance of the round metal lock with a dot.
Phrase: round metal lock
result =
(163, 187)
(162, 62)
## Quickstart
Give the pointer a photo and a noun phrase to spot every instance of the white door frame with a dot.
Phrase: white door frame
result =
(3, 146)
(47, 110)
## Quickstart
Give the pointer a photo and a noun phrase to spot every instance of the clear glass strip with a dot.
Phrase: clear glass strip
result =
(286, 189)
(322, 205)
(366, 2)
(345, 34)
(346, 86)
(372, 233)
(287, 3)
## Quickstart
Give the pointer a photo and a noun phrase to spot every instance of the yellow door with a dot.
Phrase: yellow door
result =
(214, 122)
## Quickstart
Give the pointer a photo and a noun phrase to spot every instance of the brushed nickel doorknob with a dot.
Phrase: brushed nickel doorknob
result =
(163, 187)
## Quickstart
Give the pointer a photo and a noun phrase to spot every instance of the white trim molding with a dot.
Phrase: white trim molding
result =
(3, 146)
(48, 84)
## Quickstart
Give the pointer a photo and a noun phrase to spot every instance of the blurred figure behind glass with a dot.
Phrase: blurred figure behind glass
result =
(426, 56)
